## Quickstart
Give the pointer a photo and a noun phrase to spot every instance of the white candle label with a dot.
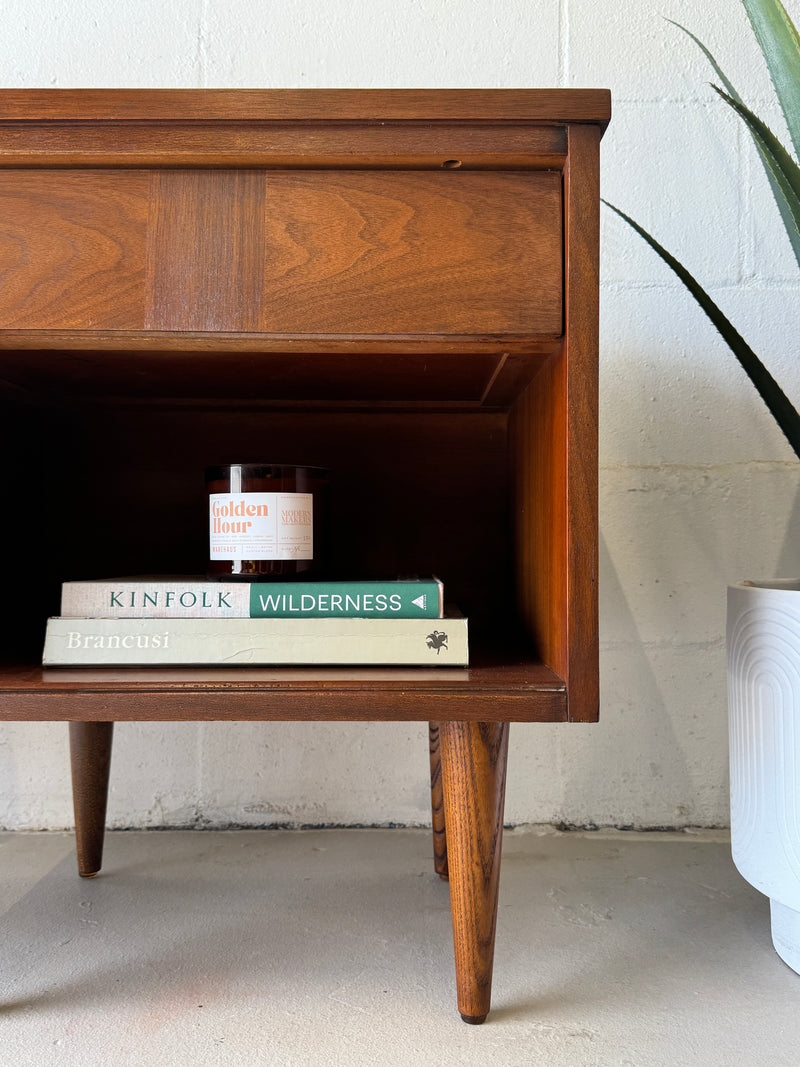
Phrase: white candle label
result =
(261, 525)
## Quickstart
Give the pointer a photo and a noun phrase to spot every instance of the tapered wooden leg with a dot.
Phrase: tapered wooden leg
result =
(474, 756)
(437, 803)
(90, 751)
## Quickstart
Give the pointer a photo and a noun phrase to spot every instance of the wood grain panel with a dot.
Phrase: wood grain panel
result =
(329, 105)
(134, 699)
(461, 253)
(356, 252)
(72, 249)
(205, 253)
(234, 143)
(582, 239)
(376, 253)
(538, 440)
(554, 430)
(135, 341)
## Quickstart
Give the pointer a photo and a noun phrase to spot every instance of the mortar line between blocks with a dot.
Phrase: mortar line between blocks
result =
(563, 42)
(202, 45)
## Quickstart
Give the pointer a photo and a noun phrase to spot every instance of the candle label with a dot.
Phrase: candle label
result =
(261, 525)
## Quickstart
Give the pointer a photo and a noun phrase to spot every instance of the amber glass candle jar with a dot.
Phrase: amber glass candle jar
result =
(266, 521)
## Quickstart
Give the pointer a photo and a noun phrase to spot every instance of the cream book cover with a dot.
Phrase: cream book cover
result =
(74, 642)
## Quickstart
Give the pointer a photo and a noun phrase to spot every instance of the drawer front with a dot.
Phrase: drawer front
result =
(331, 252)
(72, 249)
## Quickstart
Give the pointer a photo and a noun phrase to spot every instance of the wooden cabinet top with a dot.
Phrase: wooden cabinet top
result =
(266, 105)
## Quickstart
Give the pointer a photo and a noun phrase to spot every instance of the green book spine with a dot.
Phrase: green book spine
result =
(343, 600)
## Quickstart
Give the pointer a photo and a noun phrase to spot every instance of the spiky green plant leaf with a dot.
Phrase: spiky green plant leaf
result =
(780, 200)
(780, 44)
(717, 69)
(783, 168)
(771, 393)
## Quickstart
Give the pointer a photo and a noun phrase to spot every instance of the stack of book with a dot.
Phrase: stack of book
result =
(192, 621)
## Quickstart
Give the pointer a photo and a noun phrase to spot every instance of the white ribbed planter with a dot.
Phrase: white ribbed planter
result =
(764, 719)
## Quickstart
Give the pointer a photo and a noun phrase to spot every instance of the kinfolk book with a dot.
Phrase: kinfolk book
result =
(188, 597)
(256, 642)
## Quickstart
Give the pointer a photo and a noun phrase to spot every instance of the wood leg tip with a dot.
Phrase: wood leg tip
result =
(473, 1020)
(445, 877)
(88, 874)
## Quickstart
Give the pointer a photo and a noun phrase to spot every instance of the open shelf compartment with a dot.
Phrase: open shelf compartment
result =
(113, 485)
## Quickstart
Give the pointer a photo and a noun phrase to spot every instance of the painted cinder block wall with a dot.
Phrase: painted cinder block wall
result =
(698, 487)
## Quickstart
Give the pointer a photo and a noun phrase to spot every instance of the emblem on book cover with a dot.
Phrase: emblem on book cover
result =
(437, 640)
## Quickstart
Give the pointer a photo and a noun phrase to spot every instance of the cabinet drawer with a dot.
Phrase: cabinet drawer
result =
(72, 249)
(331, 252)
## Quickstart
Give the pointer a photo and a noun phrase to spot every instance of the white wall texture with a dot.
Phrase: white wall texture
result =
(698, 487)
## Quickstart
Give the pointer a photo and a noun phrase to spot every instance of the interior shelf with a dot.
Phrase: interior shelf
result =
(518, 690)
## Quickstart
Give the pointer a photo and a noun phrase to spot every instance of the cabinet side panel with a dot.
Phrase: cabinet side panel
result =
(205, 262)
(553, 436)
(582, 228)
(72, 249)
(538, 454)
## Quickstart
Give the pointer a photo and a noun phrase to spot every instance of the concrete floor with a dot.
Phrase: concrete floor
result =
(333, 947)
